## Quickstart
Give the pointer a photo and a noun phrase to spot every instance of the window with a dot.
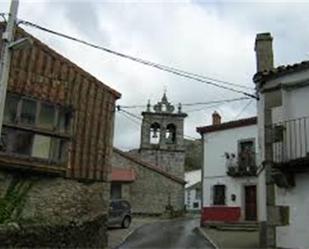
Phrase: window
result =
(46, 116)
(219, 195)
(246, 153)
(10, 111)
(28, 112)
(41, 146)
(155, 133)
(195, 205)
(63, 120)
(46, 134)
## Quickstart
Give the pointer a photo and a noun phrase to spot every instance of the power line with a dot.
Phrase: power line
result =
(182, 73)
(191, 104)
(242, 110)
(140, 119)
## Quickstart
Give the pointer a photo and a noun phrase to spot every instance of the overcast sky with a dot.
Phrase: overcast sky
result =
(212, 38)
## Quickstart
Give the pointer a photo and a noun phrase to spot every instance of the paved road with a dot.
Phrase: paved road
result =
(176, 234)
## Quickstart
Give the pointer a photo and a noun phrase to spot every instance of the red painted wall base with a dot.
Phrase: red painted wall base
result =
(220, 213)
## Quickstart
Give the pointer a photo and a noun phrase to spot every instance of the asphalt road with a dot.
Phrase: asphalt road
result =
(175, 234)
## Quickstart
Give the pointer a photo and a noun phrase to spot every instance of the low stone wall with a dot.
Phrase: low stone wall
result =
(38, 211)
(90, 234)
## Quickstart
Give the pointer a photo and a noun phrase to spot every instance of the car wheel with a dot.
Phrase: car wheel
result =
(126, 222)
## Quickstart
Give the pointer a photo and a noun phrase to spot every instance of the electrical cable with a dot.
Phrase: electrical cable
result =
(172, 70)
(245, 107)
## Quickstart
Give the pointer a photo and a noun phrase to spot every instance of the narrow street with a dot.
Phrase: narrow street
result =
(168, 234)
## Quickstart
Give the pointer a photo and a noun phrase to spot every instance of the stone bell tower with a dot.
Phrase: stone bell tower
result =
(162, 141)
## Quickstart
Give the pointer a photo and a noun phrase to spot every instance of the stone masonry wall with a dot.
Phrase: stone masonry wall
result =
(151, 192)
(170, 161)
(54, 212)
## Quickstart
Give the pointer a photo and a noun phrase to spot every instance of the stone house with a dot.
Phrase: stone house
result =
(149, 189)
(229, 173)
(158, 163)
(55, 151)
(283, 125)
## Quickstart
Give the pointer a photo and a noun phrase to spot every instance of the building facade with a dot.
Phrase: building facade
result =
(229, 170)
(57, 134)
(149, 189)
(162, 141)
(283, 116)
(158, 164)
(193, 190)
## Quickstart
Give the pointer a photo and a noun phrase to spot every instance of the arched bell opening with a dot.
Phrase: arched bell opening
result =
(155, 133)
(170, 134)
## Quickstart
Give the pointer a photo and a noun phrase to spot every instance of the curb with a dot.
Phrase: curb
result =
(204, 234)
(131, 232)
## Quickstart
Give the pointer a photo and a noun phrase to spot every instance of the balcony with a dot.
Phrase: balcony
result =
(290, 145)
(242, 166)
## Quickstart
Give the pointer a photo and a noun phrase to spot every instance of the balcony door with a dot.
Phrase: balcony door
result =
(250, 203)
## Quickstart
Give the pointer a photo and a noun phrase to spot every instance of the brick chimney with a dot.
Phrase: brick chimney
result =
(264, 52)
(216, 118)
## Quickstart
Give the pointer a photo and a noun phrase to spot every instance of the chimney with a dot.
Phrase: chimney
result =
(264, 52)
(216, 118)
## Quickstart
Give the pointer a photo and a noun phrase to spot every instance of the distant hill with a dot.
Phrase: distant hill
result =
(194, 155)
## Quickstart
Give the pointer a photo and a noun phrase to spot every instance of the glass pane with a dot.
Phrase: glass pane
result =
(28, 112)
(46, 116)
(10, 109)
(41, 146)
(19, 142)
(59, 150)
(4, 139)
(63, 120)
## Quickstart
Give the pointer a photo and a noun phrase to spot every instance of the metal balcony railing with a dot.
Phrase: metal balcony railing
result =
(290, 140)
(243, 165)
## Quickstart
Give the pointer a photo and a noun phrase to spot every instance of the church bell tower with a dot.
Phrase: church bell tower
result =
(162, 141)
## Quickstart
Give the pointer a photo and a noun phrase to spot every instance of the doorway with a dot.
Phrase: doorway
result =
(250, 203)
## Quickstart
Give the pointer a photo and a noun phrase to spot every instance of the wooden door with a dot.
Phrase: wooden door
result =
(250, 203)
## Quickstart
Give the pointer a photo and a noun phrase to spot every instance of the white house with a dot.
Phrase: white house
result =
(283, 124)
(193, 190)
(229, 170)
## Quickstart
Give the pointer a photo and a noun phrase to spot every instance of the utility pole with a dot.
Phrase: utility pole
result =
(6, 54)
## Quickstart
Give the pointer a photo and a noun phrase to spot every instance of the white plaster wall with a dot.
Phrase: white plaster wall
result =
(190, 198)
(296, 102)
(233, 186)
(295, 235)
(192, 177)
(215, 145)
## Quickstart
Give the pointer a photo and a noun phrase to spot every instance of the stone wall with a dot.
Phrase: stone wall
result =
(52, 212)
(171, 162)
(151, 192)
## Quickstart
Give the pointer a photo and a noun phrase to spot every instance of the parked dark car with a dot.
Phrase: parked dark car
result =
(119, 213)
